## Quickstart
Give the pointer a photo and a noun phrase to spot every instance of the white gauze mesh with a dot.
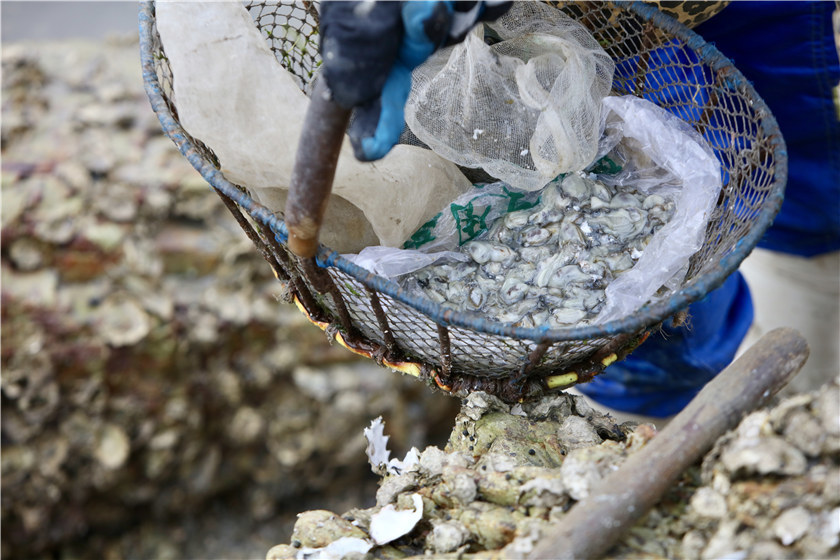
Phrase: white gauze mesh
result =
(524, 109)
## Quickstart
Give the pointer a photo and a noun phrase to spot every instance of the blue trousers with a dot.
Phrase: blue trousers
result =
(787, 50)
(661, 376)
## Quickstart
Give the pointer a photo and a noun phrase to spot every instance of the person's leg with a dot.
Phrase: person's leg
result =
(804, 294)
(660, 377)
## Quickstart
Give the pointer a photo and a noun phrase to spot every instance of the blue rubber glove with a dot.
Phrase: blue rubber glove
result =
(369, 50)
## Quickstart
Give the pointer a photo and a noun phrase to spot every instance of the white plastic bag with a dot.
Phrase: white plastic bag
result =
(651, 151)
(233, 95)
(466, 218)
(470, 216)
(391, 262)
(663, 155)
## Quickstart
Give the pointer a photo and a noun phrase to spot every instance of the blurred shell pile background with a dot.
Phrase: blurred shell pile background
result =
(149, 362)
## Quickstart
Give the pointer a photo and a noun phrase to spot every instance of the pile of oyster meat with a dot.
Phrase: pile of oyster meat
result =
(550, 264)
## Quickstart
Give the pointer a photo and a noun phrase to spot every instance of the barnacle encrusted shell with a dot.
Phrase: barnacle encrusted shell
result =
(507, 472)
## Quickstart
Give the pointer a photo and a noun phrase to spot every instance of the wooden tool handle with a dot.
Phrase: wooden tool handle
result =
(314, 171)
(595, 523)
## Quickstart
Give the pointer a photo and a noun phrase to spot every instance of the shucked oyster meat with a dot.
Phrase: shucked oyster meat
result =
(550, 264)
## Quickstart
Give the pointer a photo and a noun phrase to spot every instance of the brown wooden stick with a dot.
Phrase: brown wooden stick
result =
(314, 171)
(595, 523)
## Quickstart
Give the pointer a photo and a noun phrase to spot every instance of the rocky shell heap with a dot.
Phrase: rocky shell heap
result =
(550, 264)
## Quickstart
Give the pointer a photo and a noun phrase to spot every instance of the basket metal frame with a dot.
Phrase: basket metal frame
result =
(269, 234)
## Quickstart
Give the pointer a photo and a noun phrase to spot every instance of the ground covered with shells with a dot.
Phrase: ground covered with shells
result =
(768, 489)
(159, 399)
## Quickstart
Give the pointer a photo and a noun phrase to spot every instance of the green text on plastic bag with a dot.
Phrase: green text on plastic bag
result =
(472, 218)
(425, 234)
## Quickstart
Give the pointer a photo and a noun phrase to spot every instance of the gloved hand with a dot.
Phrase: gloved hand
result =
(369, 50)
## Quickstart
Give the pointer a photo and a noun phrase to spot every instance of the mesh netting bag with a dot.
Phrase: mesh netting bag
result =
(526, 108)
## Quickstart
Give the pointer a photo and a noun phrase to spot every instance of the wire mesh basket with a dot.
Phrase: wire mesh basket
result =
(657, 59)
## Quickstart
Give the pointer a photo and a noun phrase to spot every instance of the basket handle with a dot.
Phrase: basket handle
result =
(314, 170)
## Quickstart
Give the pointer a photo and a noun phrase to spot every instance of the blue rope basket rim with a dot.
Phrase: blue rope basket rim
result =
(645, 317)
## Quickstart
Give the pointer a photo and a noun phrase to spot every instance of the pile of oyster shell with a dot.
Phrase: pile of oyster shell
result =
(768, 489)
(550, 264)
